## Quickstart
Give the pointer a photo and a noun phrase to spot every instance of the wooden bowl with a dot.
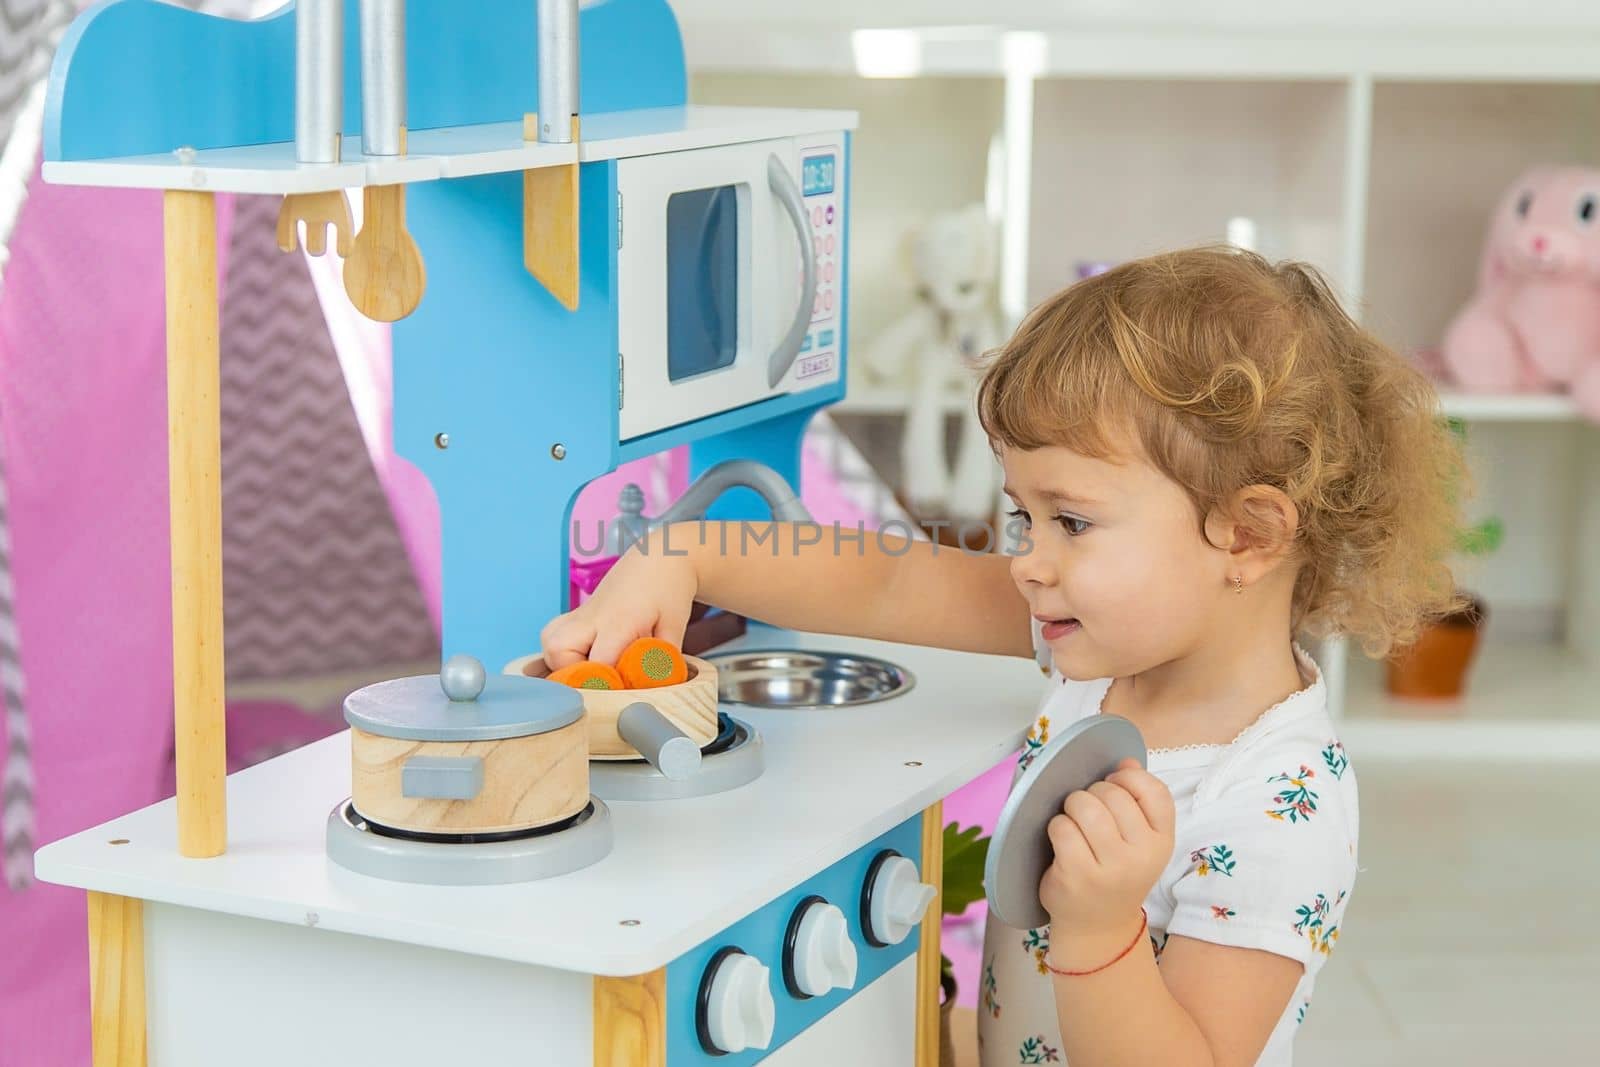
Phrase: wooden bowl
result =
(690, 705)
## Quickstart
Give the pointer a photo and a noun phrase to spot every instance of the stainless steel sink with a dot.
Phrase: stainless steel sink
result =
(789, 678)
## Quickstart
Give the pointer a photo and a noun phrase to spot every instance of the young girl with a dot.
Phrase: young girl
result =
(1210, 458)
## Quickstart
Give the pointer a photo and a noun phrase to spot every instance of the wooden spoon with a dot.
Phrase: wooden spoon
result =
(384, 274)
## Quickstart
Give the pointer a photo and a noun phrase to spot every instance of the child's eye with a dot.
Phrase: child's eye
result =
(1073, 525)
(1018, 513)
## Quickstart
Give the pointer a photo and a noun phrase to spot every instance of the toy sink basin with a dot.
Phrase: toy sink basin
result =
(806, 680)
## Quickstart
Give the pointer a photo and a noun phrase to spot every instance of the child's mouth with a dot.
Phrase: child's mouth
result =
(1056, 629)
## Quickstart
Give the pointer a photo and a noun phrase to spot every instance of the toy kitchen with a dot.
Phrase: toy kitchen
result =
(490, 867)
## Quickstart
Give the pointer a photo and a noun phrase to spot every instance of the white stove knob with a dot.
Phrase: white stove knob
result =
(739, 1009)
(895, 899)
(821, 957)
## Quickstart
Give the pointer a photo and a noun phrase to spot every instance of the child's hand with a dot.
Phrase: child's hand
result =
(1112, 842)
(645, 594)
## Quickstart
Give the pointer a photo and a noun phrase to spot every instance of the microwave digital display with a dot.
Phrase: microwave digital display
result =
(816, 175)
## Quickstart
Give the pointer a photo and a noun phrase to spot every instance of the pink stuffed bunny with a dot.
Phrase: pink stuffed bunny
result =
(1534, 322)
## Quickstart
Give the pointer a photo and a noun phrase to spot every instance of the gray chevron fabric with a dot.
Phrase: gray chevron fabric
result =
(16, 781)
(29, 30)
(315, 576)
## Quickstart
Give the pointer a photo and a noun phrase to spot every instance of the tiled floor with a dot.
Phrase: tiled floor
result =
(1470, 940)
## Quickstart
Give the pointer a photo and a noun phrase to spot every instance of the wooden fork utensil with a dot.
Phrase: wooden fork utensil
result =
(318, 211)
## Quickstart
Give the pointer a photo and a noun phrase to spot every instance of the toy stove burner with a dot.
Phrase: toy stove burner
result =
(733, 758)
(361, 845)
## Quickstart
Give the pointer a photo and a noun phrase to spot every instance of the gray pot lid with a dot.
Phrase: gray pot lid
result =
(1019, 849)
(488, 708)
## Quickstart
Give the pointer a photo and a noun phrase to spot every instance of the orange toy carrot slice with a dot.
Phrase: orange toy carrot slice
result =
(587, 674)
(651, 662)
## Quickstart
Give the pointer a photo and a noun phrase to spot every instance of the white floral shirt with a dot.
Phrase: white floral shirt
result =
(1264, 858)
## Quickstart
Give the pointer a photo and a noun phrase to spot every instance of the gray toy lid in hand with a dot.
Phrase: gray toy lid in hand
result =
(487, 708)
(1019, 849)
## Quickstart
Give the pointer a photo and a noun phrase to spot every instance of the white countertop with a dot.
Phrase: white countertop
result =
(684, 869)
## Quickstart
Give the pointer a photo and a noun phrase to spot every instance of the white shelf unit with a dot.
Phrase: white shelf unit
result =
(1374, 151)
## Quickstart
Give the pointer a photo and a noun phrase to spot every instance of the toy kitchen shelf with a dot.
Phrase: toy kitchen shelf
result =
(1119, 133)
(444, 152)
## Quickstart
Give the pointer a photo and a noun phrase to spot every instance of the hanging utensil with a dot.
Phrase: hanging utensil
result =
(383, 273)
(318, 211)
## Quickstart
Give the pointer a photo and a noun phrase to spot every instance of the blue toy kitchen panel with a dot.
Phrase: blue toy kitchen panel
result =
(136, 64)
(761, 934)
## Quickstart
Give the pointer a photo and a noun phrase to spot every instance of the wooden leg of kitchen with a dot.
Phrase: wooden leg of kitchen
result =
(116, 980)
(928, 952)
(194, 442)
(630, 1021)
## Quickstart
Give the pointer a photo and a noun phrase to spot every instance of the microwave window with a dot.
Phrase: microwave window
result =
(702, 281)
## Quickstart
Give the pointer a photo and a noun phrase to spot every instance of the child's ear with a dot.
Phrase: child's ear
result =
(1256, 526)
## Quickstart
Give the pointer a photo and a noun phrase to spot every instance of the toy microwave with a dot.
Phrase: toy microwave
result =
(729, 276)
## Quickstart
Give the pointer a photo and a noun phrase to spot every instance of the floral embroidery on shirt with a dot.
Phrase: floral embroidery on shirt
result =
(1296, 801)
(1219, 912)
(1217, 858)
(1335, 758)
(1034, 1050)
(1314, 920)
(1158, 943)
(1037, 943)
(991, 991)
(1300, 1016)
(1037, 738)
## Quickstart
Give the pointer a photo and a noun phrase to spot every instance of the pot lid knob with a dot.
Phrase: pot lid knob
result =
(462, 677)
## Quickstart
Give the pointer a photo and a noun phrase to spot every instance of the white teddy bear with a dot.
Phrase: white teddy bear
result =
(932, 352)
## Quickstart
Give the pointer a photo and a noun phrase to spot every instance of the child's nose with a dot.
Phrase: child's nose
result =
(1030, 565)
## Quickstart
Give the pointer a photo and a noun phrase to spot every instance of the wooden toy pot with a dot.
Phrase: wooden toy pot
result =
(458, 753)
(691, 706)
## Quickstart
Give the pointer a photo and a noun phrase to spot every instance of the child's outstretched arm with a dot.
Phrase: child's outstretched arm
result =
(1205, 1005)
(798, 576)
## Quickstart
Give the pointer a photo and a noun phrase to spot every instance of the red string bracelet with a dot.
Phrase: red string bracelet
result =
(1144, 924)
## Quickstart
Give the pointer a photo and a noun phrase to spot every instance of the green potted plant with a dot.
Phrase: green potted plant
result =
(1435, 666)
(965, 851)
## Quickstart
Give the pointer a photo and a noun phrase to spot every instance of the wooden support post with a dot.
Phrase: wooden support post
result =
(550, 221)
(929, 959)
(116, 980)
(194, 450)
(630, 1021)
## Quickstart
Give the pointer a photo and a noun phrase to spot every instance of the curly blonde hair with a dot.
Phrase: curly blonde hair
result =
(1230, 372)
